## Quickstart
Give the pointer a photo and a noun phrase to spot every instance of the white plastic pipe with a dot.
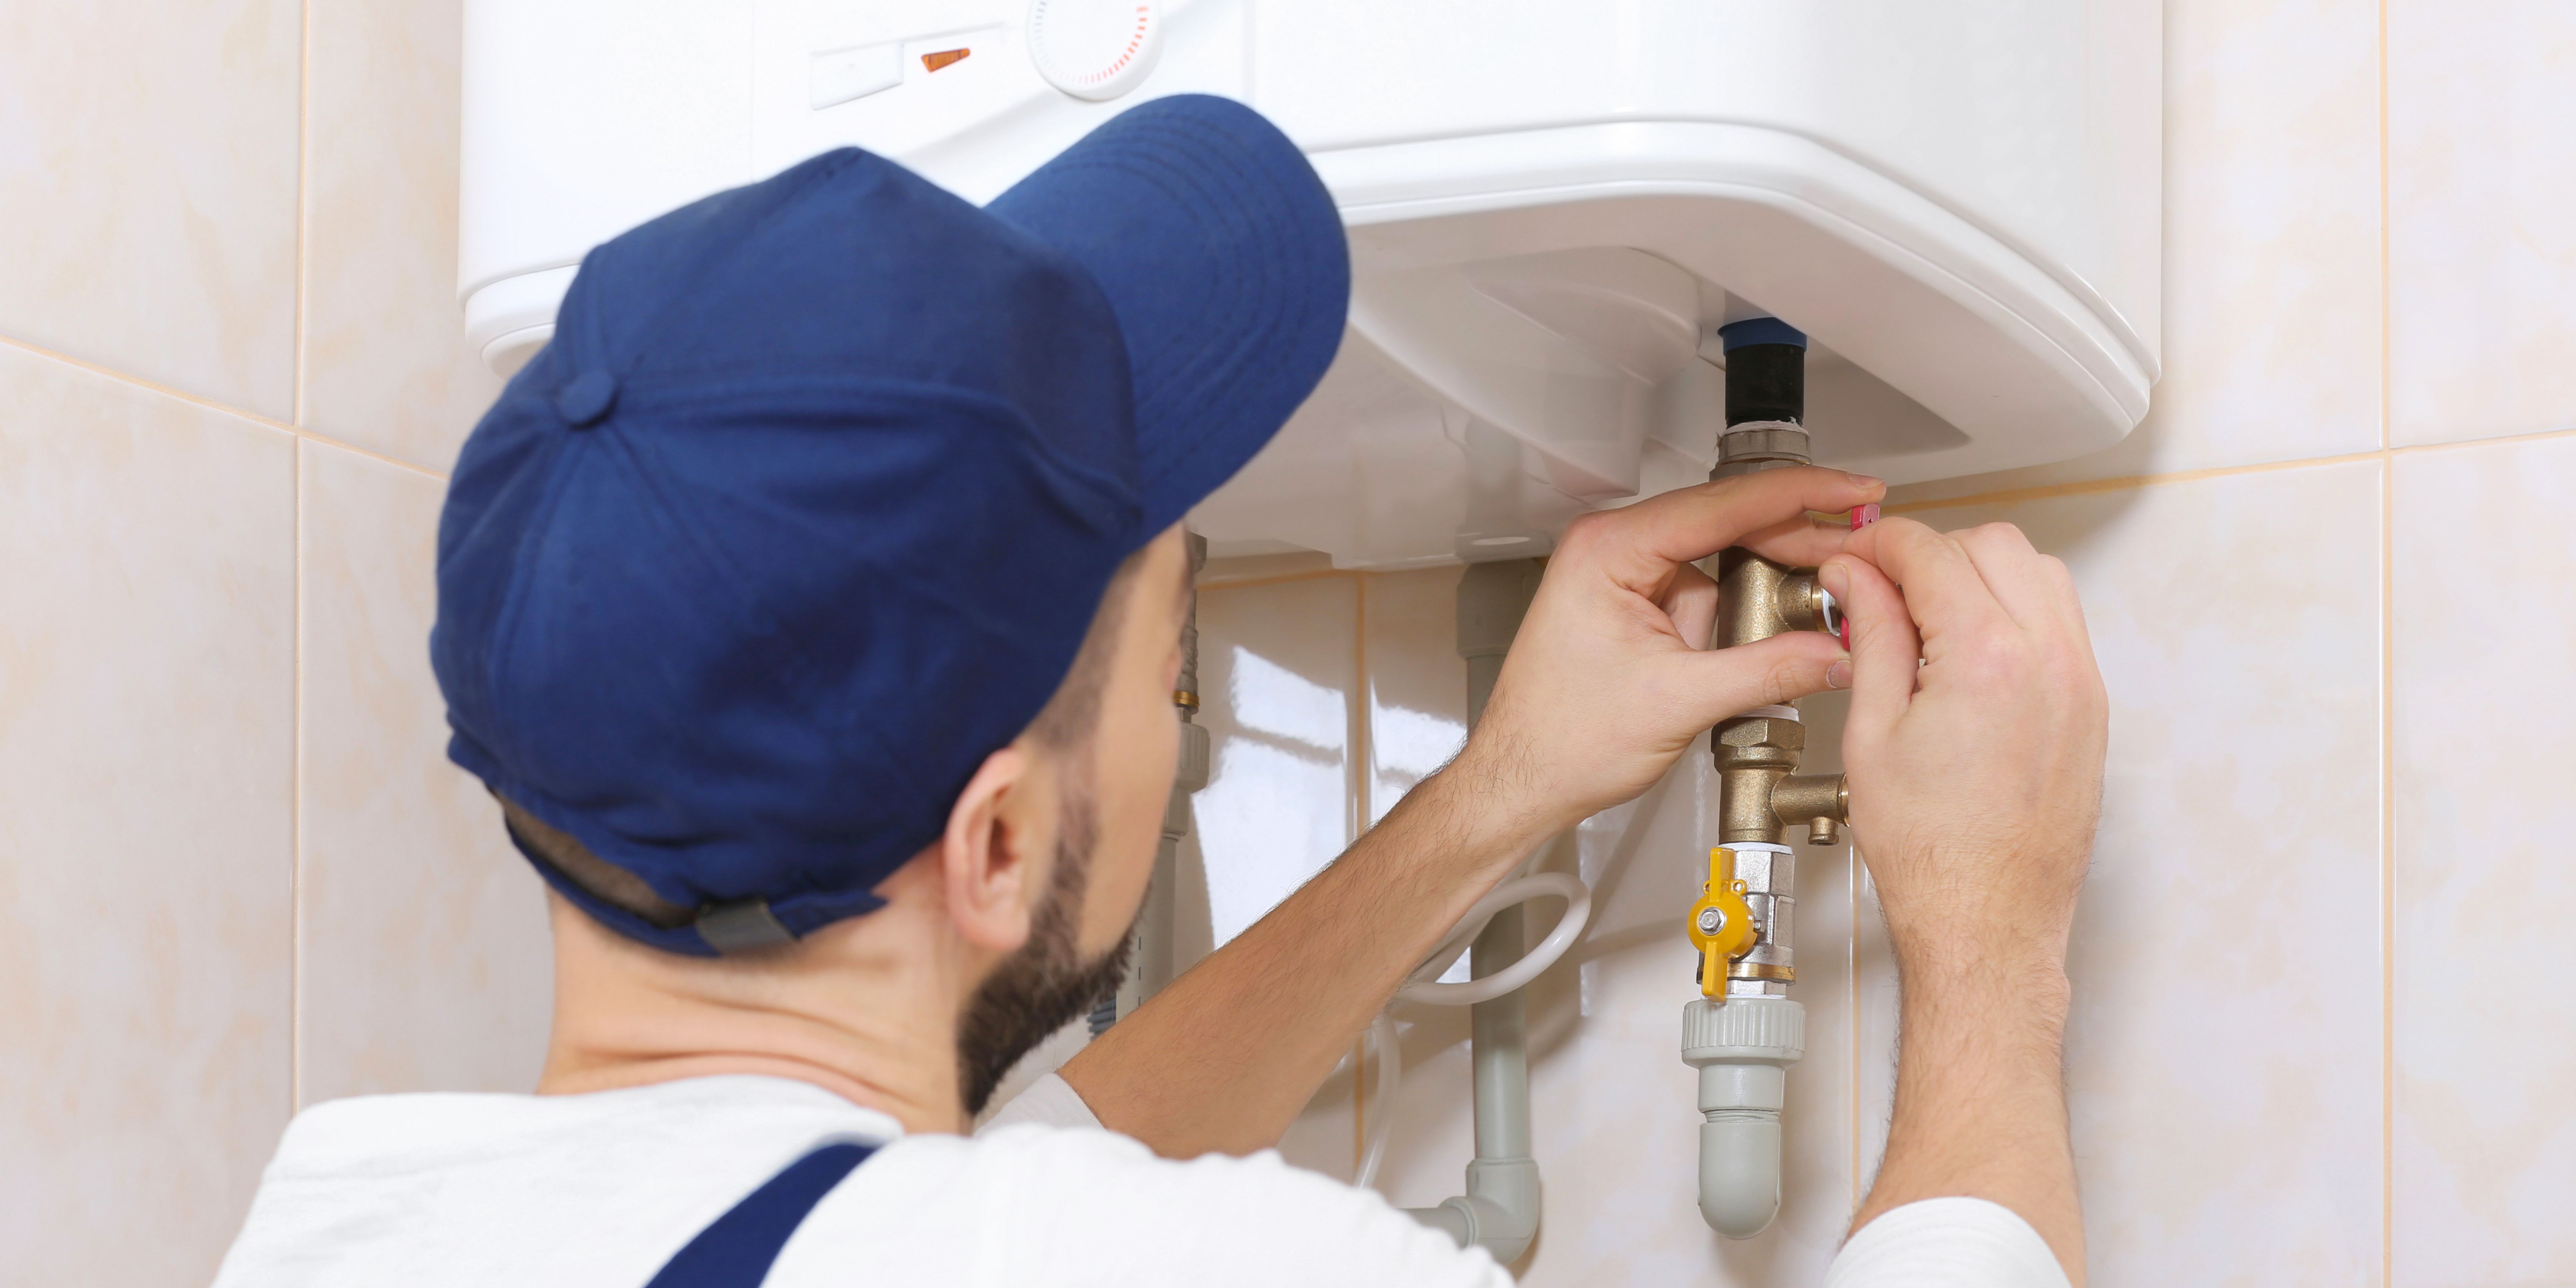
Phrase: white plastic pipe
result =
(1390, 1075)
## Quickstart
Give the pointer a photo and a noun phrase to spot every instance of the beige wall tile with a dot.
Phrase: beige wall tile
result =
(147, 190)
(385, 361)
(2271, 255)
(426, 963)
(1417, 685)
(2224, 1060)
(2482, 254)
(1279, 664)
(2485, 715)
(146, 753)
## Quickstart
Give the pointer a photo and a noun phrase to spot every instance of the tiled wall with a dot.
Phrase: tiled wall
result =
(236, 873)
(2322, 1035)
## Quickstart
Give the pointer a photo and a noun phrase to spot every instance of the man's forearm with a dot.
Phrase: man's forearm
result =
(1225, 1056)
(1981, 1097)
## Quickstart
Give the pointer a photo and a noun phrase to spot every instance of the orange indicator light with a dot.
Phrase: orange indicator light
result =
(943, 58)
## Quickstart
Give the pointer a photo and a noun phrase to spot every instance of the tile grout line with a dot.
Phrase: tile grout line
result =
(2136, 482)
(1358, 822)
(1851, 984)
(297, 365)
(2387, 706)
(2388, 875)
(1276, 579)
(224, 409)
(303, 200)
(2126, 483)
(295, 821)
(2076, 487)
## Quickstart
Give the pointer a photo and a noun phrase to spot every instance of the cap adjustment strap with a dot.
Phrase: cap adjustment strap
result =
(741, 927)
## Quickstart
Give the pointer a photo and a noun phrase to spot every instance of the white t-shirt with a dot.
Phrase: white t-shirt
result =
(598, 1191)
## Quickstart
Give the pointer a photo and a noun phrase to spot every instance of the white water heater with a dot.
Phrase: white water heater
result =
(1553, 204)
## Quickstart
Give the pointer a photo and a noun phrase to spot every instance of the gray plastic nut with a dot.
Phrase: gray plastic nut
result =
(1772, 1029)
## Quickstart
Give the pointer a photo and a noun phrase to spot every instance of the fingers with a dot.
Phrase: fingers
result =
(1706, 687)
(1637, 546)
(1802, 542)
(1885, 648)
(1943, 591)
(2019, 577)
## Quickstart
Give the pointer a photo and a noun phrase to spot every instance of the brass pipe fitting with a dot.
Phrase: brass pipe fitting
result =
(1758, 599)
(1820, 801)
(1761, 794)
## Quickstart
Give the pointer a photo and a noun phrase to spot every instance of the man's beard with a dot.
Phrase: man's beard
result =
(1045, 984)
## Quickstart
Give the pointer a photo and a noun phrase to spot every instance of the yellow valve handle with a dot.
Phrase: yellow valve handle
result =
(1721, 923)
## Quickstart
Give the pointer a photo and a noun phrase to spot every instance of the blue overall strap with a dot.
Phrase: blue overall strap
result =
(736, 1250)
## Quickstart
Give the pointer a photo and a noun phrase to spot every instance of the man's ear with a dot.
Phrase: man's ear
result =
(993, 858)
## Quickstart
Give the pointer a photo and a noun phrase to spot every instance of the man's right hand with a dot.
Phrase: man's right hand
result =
(1976, 774)
(1974, 748)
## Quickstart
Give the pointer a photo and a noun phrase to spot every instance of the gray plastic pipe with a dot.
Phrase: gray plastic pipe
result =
(1500, 1208)
(1743, 1050)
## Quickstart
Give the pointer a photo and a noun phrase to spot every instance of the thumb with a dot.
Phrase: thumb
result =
(1710, 685)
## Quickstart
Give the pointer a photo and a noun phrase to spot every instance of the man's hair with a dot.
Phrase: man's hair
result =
(1073, 712)
(1065, 724)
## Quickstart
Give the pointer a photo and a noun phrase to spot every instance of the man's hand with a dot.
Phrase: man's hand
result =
(1974, 748)
(1611, 679)
(1606, 684)
(1977, 778)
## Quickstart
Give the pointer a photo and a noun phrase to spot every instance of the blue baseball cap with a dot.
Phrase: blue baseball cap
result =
(809, 503)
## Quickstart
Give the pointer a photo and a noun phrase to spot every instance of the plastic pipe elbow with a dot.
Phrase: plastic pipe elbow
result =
(1503, 1220)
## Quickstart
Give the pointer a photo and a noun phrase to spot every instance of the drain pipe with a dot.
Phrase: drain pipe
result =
(1743, 1032)
(1501, 1205)
(1154, 963)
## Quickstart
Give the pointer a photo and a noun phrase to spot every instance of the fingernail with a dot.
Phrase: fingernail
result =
(1838, 676)
(1865, 482)
(1835, 579)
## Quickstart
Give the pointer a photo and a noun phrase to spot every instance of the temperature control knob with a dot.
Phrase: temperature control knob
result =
(1094, 49)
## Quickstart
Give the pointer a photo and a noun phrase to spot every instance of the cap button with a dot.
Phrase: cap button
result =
(587, 399)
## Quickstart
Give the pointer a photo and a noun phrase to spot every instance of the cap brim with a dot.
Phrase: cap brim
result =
(1224, 259)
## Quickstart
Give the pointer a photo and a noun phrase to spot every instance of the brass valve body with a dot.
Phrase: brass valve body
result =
(1761, 794)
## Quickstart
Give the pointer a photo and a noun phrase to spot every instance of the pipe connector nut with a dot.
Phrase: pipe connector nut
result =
(1763, 731)
(1745, 1030)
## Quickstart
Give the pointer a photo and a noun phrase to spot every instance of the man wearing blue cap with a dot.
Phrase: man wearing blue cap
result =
(811, 607)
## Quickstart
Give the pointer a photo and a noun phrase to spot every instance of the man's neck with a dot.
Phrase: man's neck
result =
(852, 1017)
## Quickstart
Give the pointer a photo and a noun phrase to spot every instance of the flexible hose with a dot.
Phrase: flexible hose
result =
(1424, 987)
(1390, 1074)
